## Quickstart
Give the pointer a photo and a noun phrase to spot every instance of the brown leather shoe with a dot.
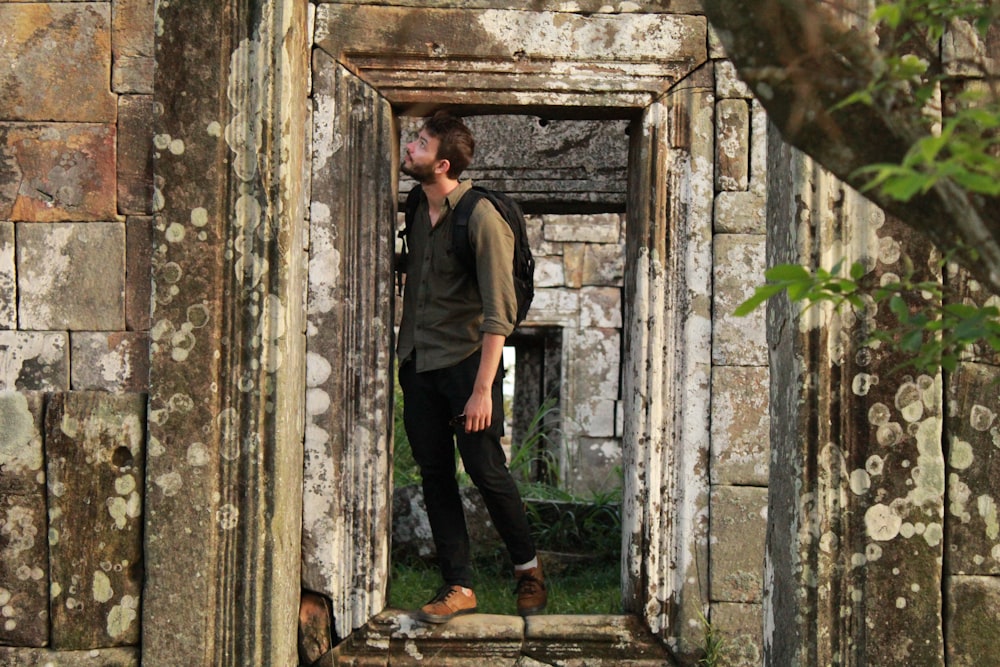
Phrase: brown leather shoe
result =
(531, 594)
(448, 602)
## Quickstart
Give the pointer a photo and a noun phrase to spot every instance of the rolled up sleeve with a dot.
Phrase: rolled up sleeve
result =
(493, 244)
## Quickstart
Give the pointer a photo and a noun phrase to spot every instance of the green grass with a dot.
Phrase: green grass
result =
(595, 589)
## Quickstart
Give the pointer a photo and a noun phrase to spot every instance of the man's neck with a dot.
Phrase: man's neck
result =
(436, 192)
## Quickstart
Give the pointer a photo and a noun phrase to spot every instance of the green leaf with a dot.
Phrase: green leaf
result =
(857, 271)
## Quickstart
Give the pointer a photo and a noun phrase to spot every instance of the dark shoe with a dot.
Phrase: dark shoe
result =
(530, 590)
(448, 602)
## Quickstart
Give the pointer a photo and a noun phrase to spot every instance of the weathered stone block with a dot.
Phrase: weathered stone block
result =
(603, 264)
(573, 257)
(728, 84)
(758, 149)
(609, 640)
(740, 425)
(740, 627)
(104, 657)
(972, 621)
(95, 462)
(739, 267)
(116, 361)
(554, 306)
(973, 470)
(8, 277)
(739, 213)
(597, 228)
(593, 373)
(138, 271)
(54, 172)
(596, 466)
(549, 271)
(34, 360)
(732, 145)
(966, 53)
(739, 523)
(57, 62)
(132, 46)
(135, 156)
(24, 582)
(595, 416)
(71, 276)
(601, 307)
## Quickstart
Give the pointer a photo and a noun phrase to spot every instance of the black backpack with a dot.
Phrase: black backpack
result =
(510, 211)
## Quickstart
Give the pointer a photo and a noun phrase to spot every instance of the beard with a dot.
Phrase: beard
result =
(420, 173)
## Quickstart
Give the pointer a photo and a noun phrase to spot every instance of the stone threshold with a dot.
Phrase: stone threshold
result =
(396, 637)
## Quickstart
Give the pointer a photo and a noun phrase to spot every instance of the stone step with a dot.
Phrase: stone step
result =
(396, 637)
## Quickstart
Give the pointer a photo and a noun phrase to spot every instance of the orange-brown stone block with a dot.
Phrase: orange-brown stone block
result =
(57, 62)
(57, 172)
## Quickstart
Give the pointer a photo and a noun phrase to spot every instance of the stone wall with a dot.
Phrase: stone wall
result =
(75, 245)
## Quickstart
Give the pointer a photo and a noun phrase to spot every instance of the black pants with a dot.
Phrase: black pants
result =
(430, 400)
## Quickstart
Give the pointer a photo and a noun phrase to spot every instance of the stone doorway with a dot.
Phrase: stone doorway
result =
(372, 63)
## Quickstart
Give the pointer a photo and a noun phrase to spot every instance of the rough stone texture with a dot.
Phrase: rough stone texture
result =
(739, 522)
(8, 277)
(591, 640)
(132, 46)
(55, 172)
(738, 268)
(966, 53)
(95, 458)
(110, 361)
(103, 657)
(972, 619)
(738, 625)
(728, 84)
(138, 272)
(411, 531)
(603, 264)
(135, 154)
(71, 276)
(739, 213)
(732, 167)
(740, 425)
(24, 563)
(601, 307)
(973, 436)
(57, 62)
(597, 228)
(34, 360)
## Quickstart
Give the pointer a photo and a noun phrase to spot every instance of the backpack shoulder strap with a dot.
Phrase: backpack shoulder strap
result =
(460, 229)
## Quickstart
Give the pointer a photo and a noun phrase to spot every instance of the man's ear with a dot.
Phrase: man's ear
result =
(442, 166)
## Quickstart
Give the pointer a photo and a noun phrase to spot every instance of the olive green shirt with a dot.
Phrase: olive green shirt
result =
(446, 309)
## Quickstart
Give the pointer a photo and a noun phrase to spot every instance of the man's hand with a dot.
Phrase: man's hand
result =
(479, 407)
(478, 411)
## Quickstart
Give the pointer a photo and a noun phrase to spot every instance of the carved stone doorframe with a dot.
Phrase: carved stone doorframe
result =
(228, 377)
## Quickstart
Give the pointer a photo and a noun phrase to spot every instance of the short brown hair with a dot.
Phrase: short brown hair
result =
(455, 141)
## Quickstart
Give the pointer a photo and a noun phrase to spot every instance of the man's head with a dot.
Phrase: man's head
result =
(444, 144)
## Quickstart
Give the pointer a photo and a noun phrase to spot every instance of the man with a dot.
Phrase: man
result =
(450, 347)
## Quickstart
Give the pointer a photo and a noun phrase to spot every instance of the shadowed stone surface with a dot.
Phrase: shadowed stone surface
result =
(24, 563)
(8, 277)
(56, 172)
(732, 168)
(738, 625)
(71, 275)
(739, 523)
(135, 157)
(54, 53)
(104, 657)
(34, 360)
(138, 272)
(95, 461)
(972, 619)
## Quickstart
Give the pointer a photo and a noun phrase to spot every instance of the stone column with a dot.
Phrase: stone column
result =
(224, 474)
(855, 512)
(668, 363)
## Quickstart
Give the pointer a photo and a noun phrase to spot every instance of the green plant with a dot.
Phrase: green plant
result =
(935, 332)
(713, 644)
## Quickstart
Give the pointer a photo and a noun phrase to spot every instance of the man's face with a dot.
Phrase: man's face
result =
(420, 158)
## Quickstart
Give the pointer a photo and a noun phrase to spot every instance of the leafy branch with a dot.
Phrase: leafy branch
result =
(937, 334)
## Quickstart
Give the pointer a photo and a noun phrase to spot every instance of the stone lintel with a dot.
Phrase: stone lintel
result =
(103, 657)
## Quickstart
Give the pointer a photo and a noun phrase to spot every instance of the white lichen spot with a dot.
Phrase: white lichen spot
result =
(170, 483)
(101, 587)
(176, 146)
(873, 552)
(175, 233)
(118, 510)
(882, 522)
(909, 402)
(879, 414)
(981, 418)
(862, 383)
(214, 129)
(933, 534)
(199, 217)
(900, 603)
(874, 465)
(317, 401)
(907, 530)
(125, 485)
(889, 434)
(227, 516)
(197, 455)
(161, 141)
(122, 615)
(988, 510)
(961, 455)
(318, 369)
(858, 560)
(860, 482)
